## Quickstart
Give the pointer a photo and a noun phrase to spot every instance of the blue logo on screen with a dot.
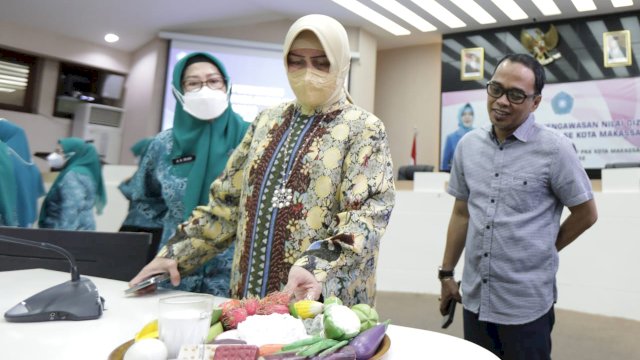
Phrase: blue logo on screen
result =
(562, 103)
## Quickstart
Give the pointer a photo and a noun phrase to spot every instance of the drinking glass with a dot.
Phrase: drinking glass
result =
(184, 320)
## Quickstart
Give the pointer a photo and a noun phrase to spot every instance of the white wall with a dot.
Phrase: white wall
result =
(407, 97)
(363, 71)
(143, 96)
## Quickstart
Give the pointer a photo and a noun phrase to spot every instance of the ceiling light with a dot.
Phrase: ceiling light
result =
(547, 7)
(621, 3)
(511, 9)
(3, 89)
(584, 5)
(111, 38)
(405, 14)
(439, 12)
(373, 17)
(475, 11)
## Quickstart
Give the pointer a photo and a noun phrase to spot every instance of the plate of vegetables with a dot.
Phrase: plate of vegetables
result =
(330, 331)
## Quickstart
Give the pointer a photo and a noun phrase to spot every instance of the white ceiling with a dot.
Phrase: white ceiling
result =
(138, 21)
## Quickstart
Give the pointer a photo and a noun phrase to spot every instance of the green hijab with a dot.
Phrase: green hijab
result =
(140, 148)
(82, 158)
(8, 188)
(210, 141)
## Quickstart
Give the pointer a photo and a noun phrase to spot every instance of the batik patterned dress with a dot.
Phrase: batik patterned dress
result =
(338, 167)
(156, 193)
(70, 206)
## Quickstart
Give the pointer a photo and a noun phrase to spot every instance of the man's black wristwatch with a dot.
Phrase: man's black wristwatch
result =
(444, 274)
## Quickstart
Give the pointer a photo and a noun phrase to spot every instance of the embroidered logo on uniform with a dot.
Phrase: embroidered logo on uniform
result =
(183, 159)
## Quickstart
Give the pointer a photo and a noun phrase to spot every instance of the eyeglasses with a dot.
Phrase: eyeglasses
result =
(193, 85)
(514, 96)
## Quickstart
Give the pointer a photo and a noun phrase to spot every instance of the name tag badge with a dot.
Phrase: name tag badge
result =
(183, 159)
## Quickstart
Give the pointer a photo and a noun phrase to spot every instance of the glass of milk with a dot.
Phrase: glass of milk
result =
(184, 320)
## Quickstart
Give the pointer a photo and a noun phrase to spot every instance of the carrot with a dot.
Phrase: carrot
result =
(269, 349)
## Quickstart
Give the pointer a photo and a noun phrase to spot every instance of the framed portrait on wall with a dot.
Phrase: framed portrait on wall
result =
(616, 48)
(472, 63)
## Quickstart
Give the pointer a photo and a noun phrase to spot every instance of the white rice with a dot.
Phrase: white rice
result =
(271, 329)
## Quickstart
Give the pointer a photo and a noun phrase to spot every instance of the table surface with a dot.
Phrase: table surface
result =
(124, 316)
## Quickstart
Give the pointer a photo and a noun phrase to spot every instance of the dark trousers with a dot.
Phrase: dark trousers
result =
(530, 341)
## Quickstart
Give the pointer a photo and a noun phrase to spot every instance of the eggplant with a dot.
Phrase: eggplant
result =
(229, 342)
(368, 341)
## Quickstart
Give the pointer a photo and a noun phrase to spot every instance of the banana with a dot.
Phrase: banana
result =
(149, 331)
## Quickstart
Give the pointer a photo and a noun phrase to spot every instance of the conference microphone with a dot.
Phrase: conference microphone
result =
(77, 299)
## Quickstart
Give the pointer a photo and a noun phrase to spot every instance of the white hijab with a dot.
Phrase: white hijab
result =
(334, 41)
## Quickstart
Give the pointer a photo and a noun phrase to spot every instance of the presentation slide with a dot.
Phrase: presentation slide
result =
(602, 118)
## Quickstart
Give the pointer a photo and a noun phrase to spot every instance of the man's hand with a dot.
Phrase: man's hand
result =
(302, 284)
(449, 290)
(157, 266)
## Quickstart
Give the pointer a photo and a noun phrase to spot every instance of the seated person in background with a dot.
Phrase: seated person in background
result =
(29, 186)
(181, 163)
(308, 193)
(77, 189)
(137, 220)
(8, 216)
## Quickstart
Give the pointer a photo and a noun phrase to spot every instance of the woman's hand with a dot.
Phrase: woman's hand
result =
(302, 284)
(157, 266)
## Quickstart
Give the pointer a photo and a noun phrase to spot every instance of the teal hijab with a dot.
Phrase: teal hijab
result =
(8, 216)
(26, 173)
(462, 129)
(82, 158)
(140, 148)
(209, 141)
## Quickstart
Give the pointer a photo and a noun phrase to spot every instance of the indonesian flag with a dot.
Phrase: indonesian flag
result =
(413, 150)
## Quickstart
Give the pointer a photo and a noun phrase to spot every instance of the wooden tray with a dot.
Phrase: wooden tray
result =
(118, 353)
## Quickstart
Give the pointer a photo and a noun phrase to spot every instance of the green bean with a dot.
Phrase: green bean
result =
(300, 343)
(317, 347)
(333, 349)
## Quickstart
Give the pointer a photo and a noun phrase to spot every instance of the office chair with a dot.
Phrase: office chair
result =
(118, 255)
(620, 165)
(406, 172)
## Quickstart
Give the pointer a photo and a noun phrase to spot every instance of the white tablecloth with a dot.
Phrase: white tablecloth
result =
(124, 316)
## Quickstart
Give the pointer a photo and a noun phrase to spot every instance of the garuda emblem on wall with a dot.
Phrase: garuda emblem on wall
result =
(540, 45)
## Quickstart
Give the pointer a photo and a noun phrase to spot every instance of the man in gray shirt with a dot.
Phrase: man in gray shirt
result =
(511, 181)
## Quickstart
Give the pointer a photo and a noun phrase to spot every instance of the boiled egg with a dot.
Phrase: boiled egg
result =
(146, 349)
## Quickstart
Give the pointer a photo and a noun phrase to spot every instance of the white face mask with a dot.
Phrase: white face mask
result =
(312, 87)
(55, 160)
(205, 104)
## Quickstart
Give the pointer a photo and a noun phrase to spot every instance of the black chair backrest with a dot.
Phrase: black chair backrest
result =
(406, 172)
(622, 165)
(117, 256)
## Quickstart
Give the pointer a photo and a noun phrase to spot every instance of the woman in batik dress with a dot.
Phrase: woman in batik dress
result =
(307, 195)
